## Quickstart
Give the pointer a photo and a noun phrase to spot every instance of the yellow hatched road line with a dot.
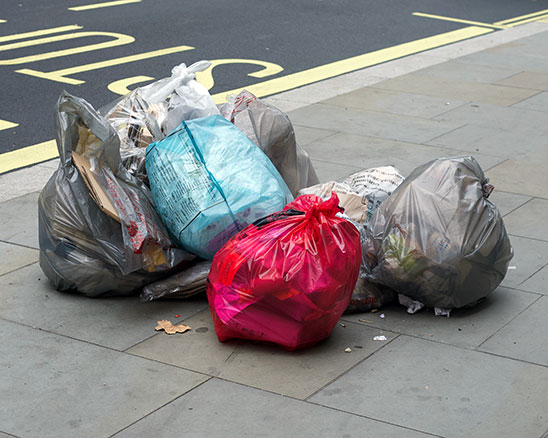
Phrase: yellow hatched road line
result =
(102, 5)
(458, 20)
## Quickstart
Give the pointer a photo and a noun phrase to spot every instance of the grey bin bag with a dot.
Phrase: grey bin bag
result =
(271, 130)
(438, 239)
(82, 248)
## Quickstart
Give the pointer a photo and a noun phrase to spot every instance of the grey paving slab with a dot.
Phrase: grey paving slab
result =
(365, 152)
(510, 57)
(53, 386)
(538, 102)
(523, 177)
(484, 114)
(420, 83)
(297, 374)
(537, 283)
(22, 216)
(224, 409)
(370, 123)
(305, 135)
(470, 72)
(14, 257)
(466, 327)
(507, 202)
(525, 338)
(529, 257)
(513, 141)
(526, 79)
(529, 220)
(26, 296)
(445, 390)
(327, 171)
(409, 104)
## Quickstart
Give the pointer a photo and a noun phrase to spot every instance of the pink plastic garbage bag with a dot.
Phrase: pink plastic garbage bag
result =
(286, 278)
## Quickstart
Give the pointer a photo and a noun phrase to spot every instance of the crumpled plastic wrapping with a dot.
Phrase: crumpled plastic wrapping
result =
(209, 181)
(82, 248)
(271, 130)
(438, 239)
(147, 114)
(287, 278)
(184, 284)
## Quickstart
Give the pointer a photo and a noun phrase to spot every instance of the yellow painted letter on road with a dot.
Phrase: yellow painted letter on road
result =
(269, 69)
(118, 39)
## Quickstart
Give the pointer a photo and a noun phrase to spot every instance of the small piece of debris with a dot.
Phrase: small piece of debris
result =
(358, 346)
(365, 320)
(177, 316)
(381, 315)
(342, 325)
(348, 350)
(374, 310)
(431, 334)
(460, 330)
(427, 388)
(448, 103)
(511, 267)
(171, 329)
(379, 338)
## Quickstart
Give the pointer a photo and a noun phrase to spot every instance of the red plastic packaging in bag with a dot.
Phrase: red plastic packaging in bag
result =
(287, 278)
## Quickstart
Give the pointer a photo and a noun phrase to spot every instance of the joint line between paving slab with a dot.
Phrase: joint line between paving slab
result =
(20, 267)
(9, 434)
(160, 407)
(397, 335)
(508, 322)
(527, 237)
(525, 98)
(375, 419)
(518, 207)
(18, 244)
(157, 333)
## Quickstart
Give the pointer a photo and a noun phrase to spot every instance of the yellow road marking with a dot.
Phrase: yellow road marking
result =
(47, 150)
(102, 5)
(458, 20)
(60, 75)
(121, 87)
(206, 77)
(4, 124)
(26, 156)
(119, 40)
(20, 36)
(528, 20)
(333, 69)
(522, 17)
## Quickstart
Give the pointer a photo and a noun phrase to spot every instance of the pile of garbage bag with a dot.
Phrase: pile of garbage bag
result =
(164, 193)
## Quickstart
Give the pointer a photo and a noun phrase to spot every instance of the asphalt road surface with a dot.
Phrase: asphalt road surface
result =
(98, 52)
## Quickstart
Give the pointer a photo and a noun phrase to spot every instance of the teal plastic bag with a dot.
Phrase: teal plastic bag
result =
(209, 181)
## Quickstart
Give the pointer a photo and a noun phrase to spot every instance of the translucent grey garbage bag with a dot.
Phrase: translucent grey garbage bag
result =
(438, 239)
(81, 247)
(272, 131)
(184, 284)
(147, 114)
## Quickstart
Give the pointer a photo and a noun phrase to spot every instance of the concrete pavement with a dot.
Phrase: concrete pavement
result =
(79, 367)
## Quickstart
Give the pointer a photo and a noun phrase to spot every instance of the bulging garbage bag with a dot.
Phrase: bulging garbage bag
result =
(209, 181)
(271, 130)
(438, 239)
(286, 278)
(98, 230)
